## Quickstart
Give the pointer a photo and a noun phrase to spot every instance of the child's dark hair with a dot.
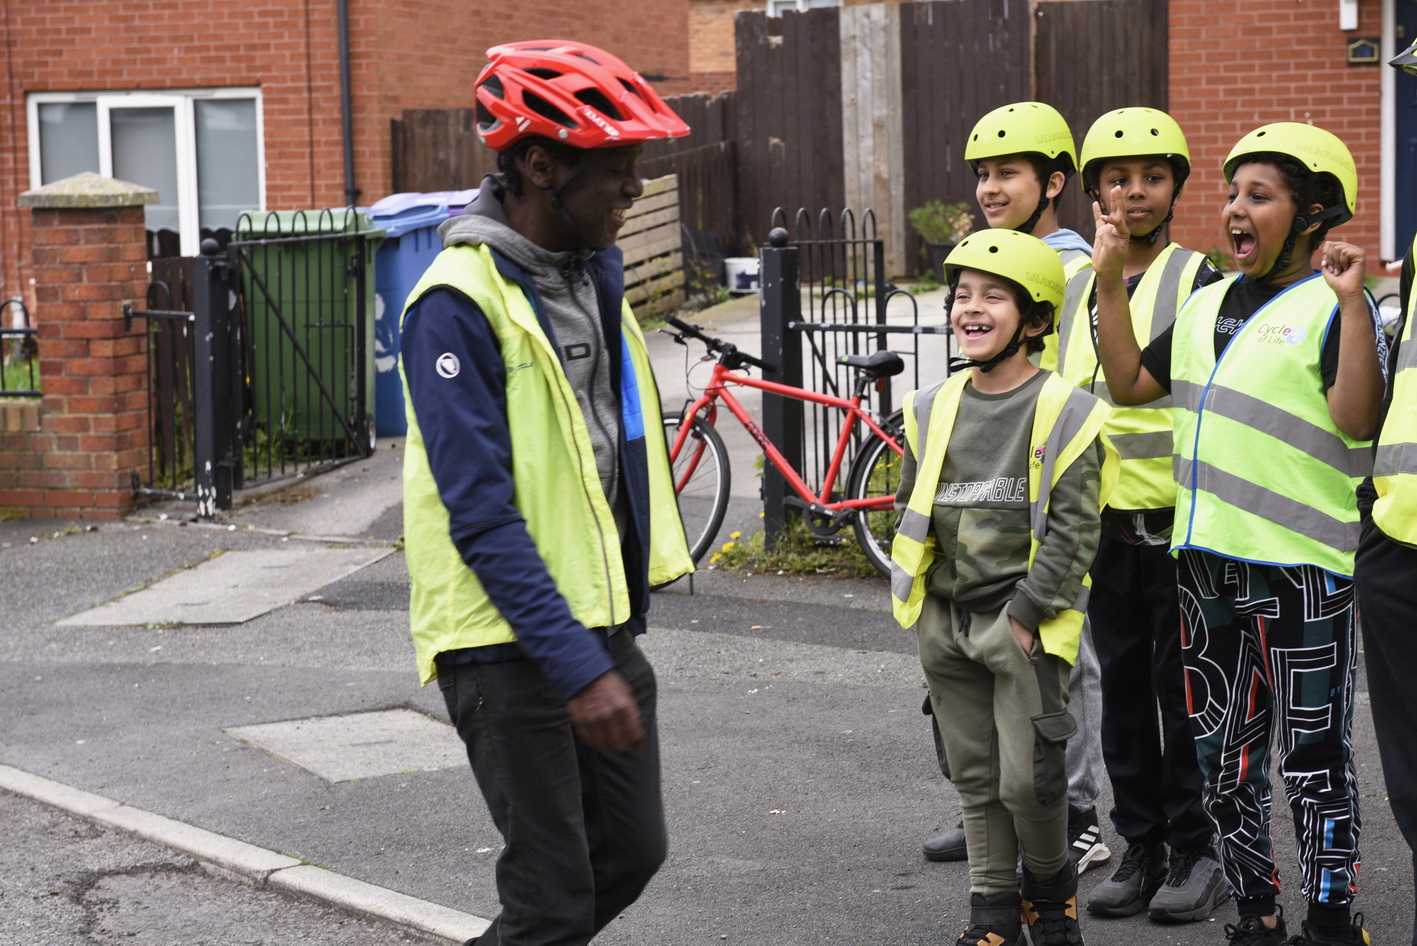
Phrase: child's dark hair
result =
(1030, 310)
(1305, 187)
(509, 161)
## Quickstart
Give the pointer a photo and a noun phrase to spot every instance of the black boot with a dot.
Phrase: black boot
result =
(993, 921)
(1050, 908)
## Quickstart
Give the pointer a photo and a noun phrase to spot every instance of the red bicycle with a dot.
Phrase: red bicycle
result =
(700, 461)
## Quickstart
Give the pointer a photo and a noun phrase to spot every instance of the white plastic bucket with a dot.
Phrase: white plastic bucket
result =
(741, 273)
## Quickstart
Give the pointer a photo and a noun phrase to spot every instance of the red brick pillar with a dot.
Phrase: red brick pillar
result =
(90, 257)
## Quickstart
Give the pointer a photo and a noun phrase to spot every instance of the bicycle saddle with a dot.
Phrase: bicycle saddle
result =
(881, 364)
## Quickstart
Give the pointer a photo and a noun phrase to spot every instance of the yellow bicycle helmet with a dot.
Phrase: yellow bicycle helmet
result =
(1022, 128)
(1133, 133)
(1022, 259)
(1016, 256)
(1322, 152)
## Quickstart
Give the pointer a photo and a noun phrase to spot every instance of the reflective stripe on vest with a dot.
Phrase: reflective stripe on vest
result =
(1141, 434)
(1262, 472)
(1063, 415)
(1395, 467)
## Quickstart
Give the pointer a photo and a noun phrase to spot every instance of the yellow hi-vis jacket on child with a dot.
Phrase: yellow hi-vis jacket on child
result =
(1066, 420)
(1141, 434)
(1395, 466)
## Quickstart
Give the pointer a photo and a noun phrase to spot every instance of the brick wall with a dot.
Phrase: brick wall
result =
(1269, 61)
(73, 455)
(405, 54)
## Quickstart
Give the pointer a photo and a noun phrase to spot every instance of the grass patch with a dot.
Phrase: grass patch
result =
(797, 552)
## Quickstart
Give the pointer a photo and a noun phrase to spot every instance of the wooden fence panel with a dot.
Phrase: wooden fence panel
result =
(437, 149)
(958, 60)
(872, 122)
(789, 115)
(650, 240)
(1132, 73)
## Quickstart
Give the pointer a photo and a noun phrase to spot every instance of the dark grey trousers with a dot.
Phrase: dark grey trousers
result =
(583, 829)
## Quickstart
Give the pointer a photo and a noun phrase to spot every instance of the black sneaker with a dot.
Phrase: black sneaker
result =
(1050, 908)
(1131, 887)
(993, 921)
(1194, 887)
(1085, 847)
(1354, 935)
(1251, 931)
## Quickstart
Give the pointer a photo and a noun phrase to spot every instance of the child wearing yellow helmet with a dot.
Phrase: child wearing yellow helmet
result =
(1022, 156)
(1276, 378)
(1387, 558)
(989, 564)
(1133, 612)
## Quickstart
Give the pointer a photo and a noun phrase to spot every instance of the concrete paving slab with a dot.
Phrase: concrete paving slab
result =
(232, 588)
(360, 745)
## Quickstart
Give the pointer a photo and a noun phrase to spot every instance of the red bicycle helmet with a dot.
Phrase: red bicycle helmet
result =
(568, 92)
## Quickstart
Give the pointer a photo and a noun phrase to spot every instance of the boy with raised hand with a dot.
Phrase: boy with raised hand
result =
(1002, 483)
(1141, 154)
(1022, 156)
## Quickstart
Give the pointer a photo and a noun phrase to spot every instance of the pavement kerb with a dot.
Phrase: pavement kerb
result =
(248, 863)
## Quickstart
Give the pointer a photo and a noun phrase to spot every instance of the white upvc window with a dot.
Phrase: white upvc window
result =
(779, 7)
(202, 150)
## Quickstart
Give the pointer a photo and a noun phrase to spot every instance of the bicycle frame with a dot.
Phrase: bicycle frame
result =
(706, 405)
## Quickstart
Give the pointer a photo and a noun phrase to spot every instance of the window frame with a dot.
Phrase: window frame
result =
(776, 8)
(182, 102)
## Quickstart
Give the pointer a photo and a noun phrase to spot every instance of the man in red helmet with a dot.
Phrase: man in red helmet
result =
(538, 505)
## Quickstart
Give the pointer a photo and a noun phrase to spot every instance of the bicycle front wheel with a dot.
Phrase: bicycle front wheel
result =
(875, 472)
(701, 480)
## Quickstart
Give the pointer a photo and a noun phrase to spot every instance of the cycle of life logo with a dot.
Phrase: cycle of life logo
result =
(447, 365)
(1039, 452)
(1282, 334)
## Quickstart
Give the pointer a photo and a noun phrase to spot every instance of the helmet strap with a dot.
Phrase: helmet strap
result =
(1028, 225)
(959, 362)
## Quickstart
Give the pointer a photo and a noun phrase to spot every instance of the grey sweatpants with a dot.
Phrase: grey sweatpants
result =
(1004, 722)
(1084, 758)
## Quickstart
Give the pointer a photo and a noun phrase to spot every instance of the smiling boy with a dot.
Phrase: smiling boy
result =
(1022, 156)
(989, 562)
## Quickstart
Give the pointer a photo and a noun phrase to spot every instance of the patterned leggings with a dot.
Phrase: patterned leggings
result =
(1271, 649)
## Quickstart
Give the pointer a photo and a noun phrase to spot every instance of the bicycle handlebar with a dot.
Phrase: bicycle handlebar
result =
(728, 353)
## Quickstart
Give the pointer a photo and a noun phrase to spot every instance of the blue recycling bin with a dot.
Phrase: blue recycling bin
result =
(411, 222)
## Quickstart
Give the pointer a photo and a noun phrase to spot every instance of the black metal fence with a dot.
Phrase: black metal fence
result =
(19, 351)
(824, 294)
(260, 356)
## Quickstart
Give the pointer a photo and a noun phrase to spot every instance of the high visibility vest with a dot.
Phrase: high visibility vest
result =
(1074, 262)
(1066, 420)
(1142, 435)
(559, 492)
(1395, 467)
(1262, 472)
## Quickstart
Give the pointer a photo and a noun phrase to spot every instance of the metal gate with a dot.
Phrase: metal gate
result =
(825, 294)
(260, 357)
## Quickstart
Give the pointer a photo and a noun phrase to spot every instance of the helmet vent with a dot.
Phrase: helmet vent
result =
(543, 73)
(545, 109)
(993, 249)
(494, 85)
(1155, 133)
(596, 99)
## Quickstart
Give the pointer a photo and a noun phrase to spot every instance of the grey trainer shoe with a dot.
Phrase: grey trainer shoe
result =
(1130, 888)
(1194, 887)
(948, 845)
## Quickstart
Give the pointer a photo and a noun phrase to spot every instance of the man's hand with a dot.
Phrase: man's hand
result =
(606, 716)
